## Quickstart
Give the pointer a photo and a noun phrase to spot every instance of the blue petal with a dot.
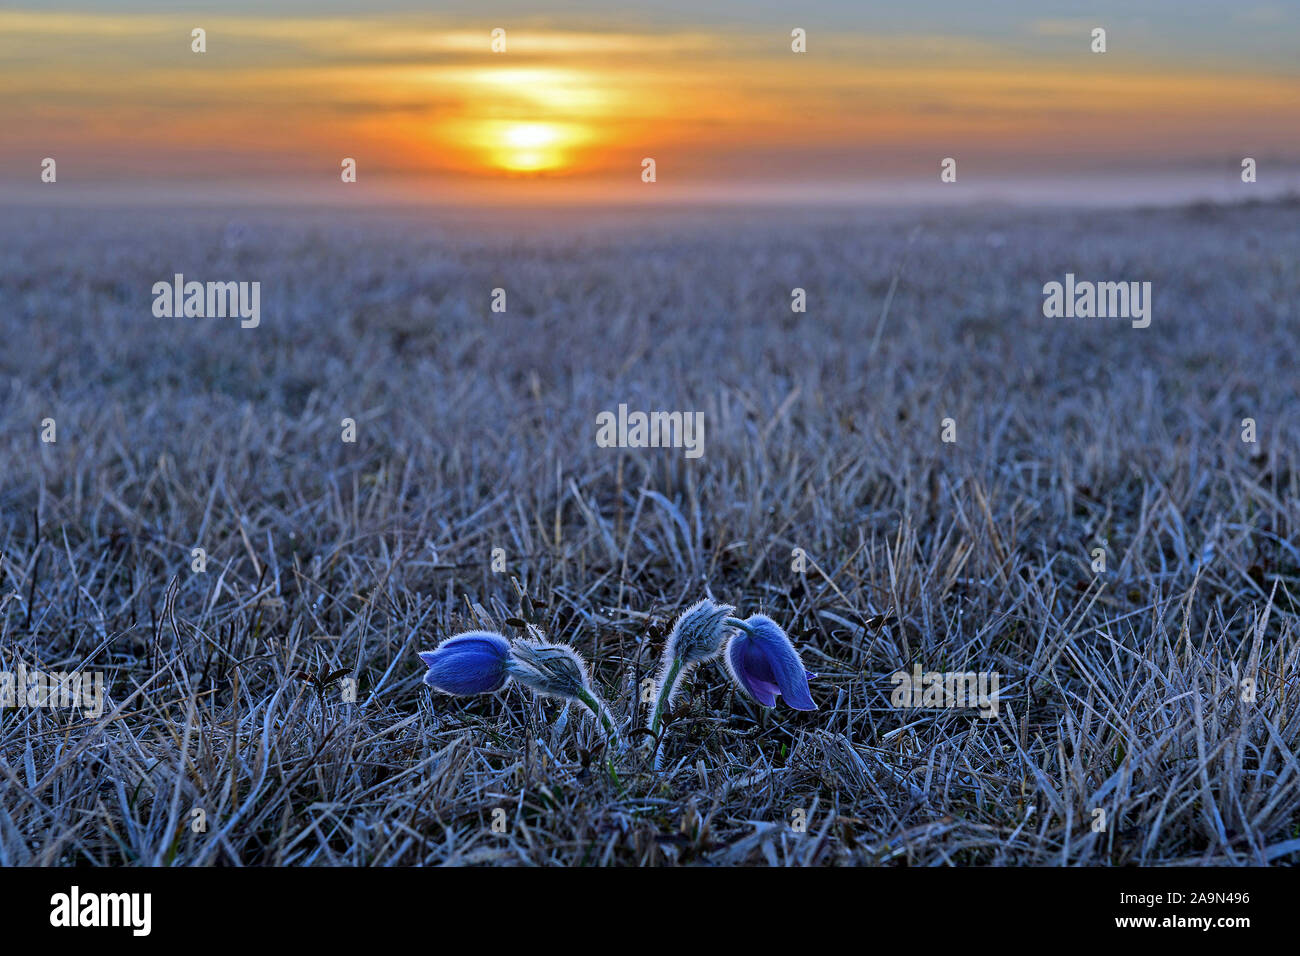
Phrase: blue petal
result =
(484, 641)
(471, 663)
(782, 661)
(750, 670)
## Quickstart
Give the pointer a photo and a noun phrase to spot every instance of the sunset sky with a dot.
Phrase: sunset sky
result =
(584, 91)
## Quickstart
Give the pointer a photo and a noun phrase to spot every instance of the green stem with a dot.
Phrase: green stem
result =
(665, 691)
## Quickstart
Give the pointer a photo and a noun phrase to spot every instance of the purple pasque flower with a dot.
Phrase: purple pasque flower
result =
(469, 663)
(765, 664)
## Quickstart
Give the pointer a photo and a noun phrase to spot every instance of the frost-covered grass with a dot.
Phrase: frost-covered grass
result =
(476, 431)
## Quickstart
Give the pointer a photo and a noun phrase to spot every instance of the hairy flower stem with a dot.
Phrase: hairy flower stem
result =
(666, 688)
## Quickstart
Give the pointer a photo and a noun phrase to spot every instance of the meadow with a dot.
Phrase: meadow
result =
(1162, 691)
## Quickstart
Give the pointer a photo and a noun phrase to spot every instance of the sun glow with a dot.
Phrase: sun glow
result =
(530, 147)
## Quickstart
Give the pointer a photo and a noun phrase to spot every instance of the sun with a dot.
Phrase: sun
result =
(530, 147)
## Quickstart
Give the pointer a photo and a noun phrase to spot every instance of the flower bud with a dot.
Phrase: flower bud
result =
(698, 633)
(765, 664)
(553, 670)
(469, 663)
